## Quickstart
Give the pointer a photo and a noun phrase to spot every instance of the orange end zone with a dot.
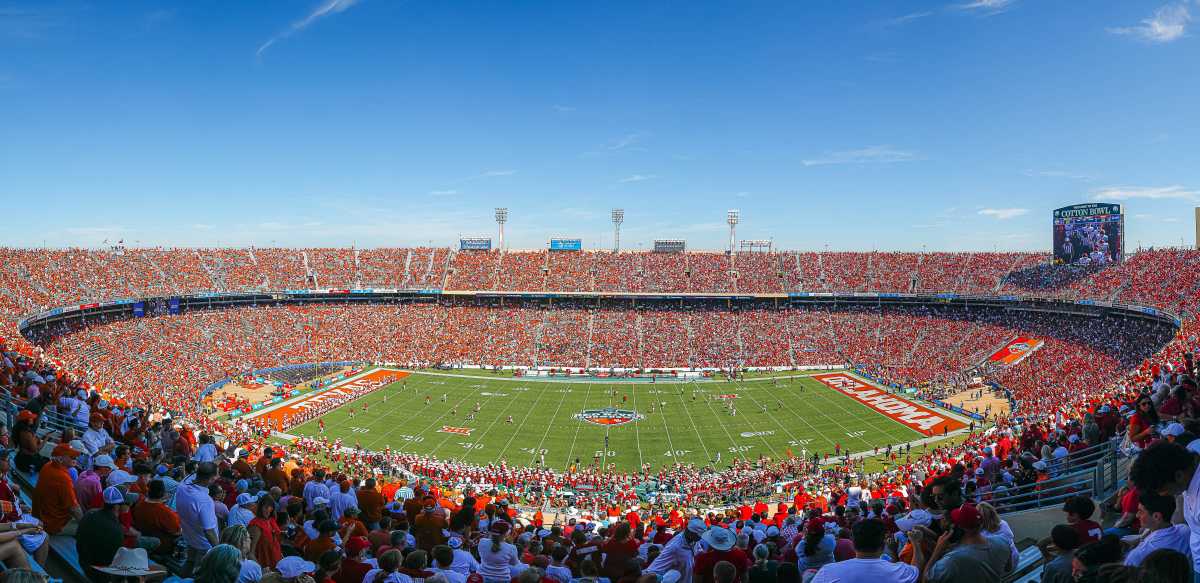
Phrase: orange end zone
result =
(338, 390)
(917, 417)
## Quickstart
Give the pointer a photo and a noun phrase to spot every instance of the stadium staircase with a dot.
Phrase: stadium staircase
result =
(1031, 511)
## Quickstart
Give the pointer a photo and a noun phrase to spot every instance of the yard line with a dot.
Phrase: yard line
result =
(387, 414)
(511, 400)
(436, 420)
(513, 434)
(872, 419)
(732, 442)
(550, 423)
(575, 438)
(637, 437)
(803, 419)
(763, 437)
(842, 425)
(667, 431)
(683, 404)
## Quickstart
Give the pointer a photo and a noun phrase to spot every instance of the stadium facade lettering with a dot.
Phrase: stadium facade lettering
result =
(903, 411)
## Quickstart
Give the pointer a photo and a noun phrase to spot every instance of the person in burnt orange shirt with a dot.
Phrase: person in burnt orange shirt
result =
(54, 501)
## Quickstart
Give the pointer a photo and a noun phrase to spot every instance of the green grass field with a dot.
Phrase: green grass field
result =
(694, 427)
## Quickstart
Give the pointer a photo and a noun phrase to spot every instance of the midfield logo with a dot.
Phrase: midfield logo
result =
(609, 416)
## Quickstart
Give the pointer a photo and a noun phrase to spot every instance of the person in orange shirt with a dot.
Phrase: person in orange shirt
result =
(350, 525)
(153, 518)
(54, 501)
(371, 502)
(317, 547)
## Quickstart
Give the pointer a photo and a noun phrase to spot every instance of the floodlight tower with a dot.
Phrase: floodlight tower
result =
(731, 217)
(618, 217)
(501, 218)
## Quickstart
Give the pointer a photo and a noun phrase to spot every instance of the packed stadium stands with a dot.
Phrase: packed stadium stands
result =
(1085, 387)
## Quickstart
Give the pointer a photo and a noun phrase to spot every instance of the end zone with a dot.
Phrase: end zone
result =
(917, 417)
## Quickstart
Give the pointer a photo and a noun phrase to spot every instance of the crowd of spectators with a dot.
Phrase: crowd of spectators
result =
(149, 481)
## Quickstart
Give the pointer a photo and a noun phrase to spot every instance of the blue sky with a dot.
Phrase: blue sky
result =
(852, 125)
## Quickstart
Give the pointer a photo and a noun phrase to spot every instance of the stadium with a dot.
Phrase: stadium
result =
(352, 291)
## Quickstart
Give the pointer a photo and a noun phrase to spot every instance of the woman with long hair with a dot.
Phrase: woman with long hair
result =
(996, 527)
(266, 536)
(497, 557)
(1143, 421)
(816, 548)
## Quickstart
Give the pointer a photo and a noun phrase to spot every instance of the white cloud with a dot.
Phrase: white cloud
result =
(1147, 192)
(986, 7)
(326, 8)
(1168, 23)
(624, 141)
(442, 192)
(905, 19)
(490, 173)
(1057, 174)
(870, 155)
(564, 109)
(742, 194)
(1003, 214)
(203, 227)
(637, 178)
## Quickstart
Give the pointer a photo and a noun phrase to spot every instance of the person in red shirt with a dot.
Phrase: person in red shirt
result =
(721, 548)
(1079, 511)
(354, 568)
(618, 550)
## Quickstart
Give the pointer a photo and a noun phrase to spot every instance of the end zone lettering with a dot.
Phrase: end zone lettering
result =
(906, 412)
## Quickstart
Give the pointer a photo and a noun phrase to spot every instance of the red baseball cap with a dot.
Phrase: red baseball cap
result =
(966, 517)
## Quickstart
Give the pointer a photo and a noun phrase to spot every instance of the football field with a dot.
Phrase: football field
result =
(622, 423)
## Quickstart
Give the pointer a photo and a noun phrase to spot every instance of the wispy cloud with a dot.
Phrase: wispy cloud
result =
(24, 24)
(1145, 192)
(624, 142)
(563, 109)
(203, 227)
(902, 20)
(637, 178)
(870, 155)
(1169, 23)
(986, 7)
(491, 173)
(327, 8)
(443, 192)
(742, 194)
(1057, 174)
(1003, 214)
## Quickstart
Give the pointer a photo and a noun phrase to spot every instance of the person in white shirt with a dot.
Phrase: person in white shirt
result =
(496, 557)
(443, 562)
(464, 562)
(197, 515)
(1171, 469)
(1154, 512)
(96, 440)
(679, 554)
(867, 564)
(243, 512)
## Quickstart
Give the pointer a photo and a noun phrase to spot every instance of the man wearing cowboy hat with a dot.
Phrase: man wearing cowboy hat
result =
(130, 563)
(721, 543)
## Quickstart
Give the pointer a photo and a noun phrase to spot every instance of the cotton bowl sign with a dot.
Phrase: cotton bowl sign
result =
(900, 410)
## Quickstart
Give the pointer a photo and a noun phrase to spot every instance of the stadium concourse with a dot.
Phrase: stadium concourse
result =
(151, 465)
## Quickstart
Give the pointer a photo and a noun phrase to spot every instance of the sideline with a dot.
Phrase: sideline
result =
(615, 380)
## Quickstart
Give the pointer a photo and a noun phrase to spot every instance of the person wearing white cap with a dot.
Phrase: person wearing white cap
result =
(678, 556)
(100, 532)
(243, 512)
(1172, 431)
